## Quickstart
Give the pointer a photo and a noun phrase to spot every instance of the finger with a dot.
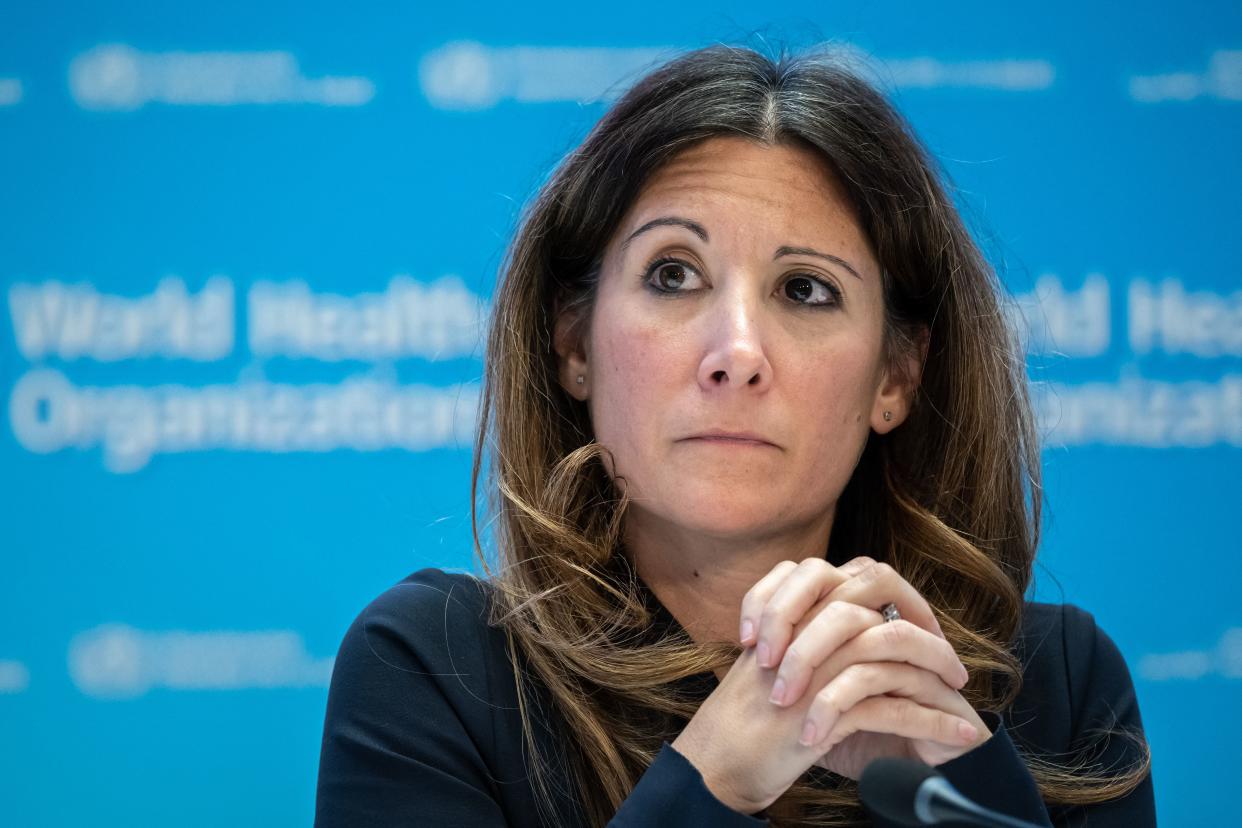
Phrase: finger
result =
(880, 584)
(850, 568)
(757, 596)
(901, 717)
(855, 565)
(798, 592)
(899, 641)
(839, 637)
(857, 699)
(814, 642)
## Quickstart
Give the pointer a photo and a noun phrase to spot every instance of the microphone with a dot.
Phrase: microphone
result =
(912, 793)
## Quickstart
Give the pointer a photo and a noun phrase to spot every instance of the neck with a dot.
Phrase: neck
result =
(702, 579)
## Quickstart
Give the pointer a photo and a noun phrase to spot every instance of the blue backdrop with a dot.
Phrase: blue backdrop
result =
(245, 253)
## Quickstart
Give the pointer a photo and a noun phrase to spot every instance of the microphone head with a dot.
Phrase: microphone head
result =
(889, 786)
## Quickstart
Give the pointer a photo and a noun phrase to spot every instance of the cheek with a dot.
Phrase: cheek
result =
(841, 386)
(633, 368)
(833, 398)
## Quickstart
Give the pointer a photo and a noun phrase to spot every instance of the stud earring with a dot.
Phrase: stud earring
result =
(581, 379)
(888, 416)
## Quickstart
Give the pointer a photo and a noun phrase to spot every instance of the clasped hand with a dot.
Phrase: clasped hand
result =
(823, 680)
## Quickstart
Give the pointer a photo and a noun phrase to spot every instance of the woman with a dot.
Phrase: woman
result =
(767, 491)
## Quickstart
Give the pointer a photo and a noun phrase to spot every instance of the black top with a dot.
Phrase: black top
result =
(422, 725)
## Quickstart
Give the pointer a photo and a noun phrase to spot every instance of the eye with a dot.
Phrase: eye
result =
(667, 274)
(802, 288)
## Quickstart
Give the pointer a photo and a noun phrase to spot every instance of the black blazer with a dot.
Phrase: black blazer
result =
(422, 725)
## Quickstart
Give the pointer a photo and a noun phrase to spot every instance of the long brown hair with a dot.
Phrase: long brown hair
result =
(951, 499)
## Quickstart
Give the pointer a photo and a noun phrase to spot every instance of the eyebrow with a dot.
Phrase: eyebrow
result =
(701, 231)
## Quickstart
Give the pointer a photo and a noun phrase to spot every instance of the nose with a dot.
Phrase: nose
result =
(735, 355)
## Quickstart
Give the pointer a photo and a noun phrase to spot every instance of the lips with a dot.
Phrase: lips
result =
(740, 437)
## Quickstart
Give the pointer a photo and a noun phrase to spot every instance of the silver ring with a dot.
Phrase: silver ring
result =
(890, 613)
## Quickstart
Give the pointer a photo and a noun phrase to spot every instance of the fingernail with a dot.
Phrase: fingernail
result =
(967, 731)
(808, 734)
(748, 629)
(778, 692)
(764, 654)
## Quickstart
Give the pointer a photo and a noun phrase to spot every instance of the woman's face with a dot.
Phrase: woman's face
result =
(765, 317)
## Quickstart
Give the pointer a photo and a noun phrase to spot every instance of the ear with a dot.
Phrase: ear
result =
(899, 383)
(570, 346)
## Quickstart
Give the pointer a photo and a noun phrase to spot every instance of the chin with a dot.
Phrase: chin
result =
(717, 513)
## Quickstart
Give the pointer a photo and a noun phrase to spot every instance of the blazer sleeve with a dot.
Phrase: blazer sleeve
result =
(672, 794)
(993, 775)
(1095, 692)
(410, 735)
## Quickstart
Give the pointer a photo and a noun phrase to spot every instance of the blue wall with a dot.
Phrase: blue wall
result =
(245, 252)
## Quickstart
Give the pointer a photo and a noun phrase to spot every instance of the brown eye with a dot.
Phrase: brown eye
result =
(806, 290)
(668, 275)
(671, 275)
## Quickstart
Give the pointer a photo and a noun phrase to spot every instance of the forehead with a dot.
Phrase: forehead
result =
(789, 186)
(792, 163)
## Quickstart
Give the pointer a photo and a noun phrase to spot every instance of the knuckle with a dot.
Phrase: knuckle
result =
(865, 560)
(834, 610)
(770, 615)
(870, 575)
(863, 673)
(785, 567)
(894, 633)
(826, 704)
(823, 619)
(817, 608)
(814, 565)
(852, 611)
(904, 712)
